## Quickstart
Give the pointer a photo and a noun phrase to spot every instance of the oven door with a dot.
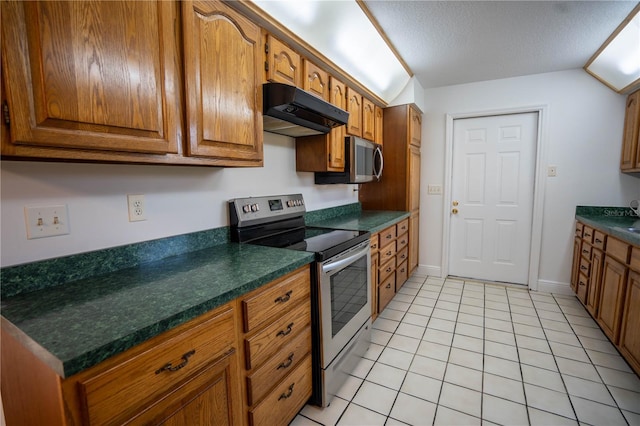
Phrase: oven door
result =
(345, 298)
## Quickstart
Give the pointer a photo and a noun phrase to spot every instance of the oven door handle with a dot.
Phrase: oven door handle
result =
(342, 262)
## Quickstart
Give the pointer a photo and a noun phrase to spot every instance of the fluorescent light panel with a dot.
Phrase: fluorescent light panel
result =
(342, 32)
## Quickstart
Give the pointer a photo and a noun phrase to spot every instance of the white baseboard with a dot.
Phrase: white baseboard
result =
(429, 270)
(546, 286)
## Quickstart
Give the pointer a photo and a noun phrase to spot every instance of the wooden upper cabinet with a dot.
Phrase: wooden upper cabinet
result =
(415, 127)
(283, 63)
(338, 97)
(354, 107)
(316, 81)
(223, 85)
(88, 75)
(368, 119)
(630, 157)
(379, 124)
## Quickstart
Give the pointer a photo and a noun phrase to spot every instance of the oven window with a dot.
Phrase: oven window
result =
(348, 294)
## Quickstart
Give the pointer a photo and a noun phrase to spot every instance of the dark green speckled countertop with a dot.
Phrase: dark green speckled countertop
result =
(76, 311)
(611, 220)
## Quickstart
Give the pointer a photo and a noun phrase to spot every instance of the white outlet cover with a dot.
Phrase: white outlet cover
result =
(137, 210)
(46, 221)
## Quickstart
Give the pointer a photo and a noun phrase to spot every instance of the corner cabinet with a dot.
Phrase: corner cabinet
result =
(223, 85)
(630, 156)
(399, 187)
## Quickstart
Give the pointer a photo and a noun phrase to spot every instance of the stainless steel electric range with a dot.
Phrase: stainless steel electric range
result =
(340, 281)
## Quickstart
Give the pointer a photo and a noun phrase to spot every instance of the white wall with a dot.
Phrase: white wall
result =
(178, 199)
(583, 139)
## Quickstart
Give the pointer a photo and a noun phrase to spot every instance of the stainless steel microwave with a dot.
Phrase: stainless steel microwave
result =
(363, 163)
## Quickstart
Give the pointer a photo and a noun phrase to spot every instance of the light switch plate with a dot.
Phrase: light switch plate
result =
(46, 221)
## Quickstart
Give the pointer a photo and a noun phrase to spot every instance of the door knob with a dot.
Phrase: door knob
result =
(454, 211)
(455, 203)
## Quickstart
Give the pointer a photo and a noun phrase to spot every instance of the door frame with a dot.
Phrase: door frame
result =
(538, 184)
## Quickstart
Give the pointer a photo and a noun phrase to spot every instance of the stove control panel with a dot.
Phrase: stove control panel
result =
(255, 210)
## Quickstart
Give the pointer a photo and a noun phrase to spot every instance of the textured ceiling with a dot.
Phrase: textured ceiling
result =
(455, 42)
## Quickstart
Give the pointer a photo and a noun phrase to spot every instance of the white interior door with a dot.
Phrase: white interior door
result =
(492, 197)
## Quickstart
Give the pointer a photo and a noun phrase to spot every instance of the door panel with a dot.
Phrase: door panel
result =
(492, 195)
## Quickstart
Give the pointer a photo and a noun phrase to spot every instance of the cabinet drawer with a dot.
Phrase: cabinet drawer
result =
(585, 266)
(282, 404)
(276, 300)
(579, 227)
(582, 287)
(585, 251)
(402, 274)
(281, 332)
(618, 249)
(374, 244)
(387, 269)
(599, 239)
(587, 234)
(140, 380)
(635, 259)
(402, 241)
(402, 227)
(278, 366)
(387, 252)
(402, 255)
(387, 236)
(386, 291)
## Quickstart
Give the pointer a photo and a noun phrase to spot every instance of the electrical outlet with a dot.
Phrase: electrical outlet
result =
(46, 221)
(552, 171)
(434, 189)
(136, 208)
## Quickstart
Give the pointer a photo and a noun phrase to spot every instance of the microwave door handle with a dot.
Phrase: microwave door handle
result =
(343, 262)
(378, 152)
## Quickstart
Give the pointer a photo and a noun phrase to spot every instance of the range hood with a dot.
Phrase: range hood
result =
(290, 111)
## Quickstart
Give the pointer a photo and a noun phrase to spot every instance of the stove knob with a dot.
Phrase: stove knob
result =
(298, 202)
(290, 203)
(301, 202)
(257, 207)
(254, 207)
(246, 208)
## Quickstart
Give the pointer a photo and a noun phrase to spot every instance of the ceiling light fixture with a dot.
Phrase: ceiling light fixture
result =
(617, 62)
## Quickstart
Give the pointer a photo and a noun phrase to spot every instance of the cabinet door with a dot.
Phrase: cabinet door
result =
(612, 291)
(354, 107)
(595, 278)
(415, 127)
(374, 285)
(368, 119)
(316, 80)
(379, 125)
(413, 179)
(630, 156)
(223, 83)
(283, 63)
(414, 234)
(575, 266)
(338, 97)
(630, 330)
(87, 75)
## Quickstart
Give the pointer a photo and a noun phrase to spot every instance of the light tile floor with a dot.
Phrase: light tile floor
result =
(453, 352)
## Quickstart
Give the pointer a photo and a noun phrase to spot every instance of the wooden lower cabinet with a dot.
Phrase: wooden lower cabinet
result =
(391, 257)
(595, 279)
(630, 331)
(612, 292)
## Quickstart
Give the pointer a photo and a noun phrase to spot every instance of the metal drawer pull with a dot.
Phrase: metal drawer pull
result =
(284, 298)
(389, 237)
(585, 251)
(389, 253)
(287, 363)
(598, 240)
(388, 269)
(583, 267)
(288, 394)
(185, 361)
(283, 332)
(388, 285)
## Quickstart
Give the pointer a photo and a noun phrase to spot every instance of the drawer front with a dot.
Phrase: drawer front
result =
(137, 382)
(402, 273)
(582, 287)
(585, 251)
(282, 404)
(277, 300)
(579, 227)
(585, 266)
(599, 239)
(387, 236)
(402, 241)
(374, 244)
(618, 249)
(587, 234)
(281, 332)
(386, 291)
(402, 255)
(402, 227)
(261, 380)
(387, 269)
(635, 259)
(387, 252)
